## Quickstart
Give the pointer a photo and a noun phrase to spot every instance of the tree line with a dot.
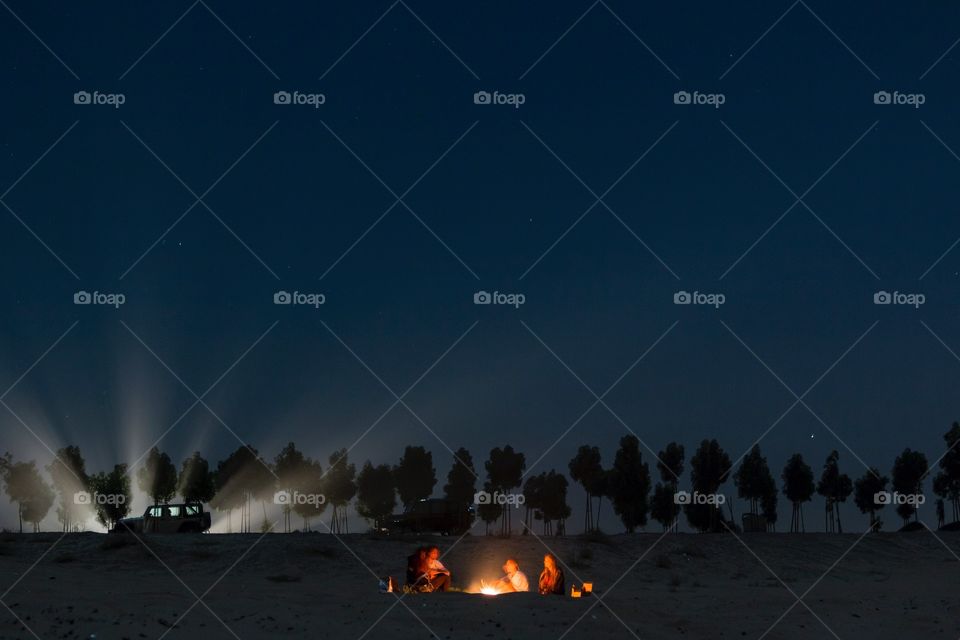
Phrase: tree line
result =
(305, 489)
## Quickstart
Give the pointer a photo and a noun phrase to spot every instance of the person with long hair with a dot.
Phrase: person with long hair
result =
(551, 578)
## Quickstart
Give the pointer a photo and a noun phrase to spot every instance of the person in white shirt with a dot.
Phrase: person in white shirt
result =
(514, 580)
(437, 574)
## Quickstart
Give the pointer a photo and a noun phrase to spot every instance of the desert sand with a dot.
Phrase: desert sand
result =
(317, 586)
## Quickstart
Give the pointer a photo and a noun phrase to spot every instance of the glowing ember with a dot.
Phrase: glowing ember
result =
(487, 589)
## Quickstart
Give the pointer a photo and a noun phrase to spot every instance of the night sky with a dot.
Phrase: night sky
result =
(398, 198)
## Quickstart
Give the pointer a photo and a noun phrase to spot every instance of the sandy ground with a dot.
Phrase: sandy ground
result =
(316, 586)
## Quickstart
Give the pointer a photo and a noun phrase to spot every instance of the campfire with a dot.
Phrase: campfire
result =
(488, 589)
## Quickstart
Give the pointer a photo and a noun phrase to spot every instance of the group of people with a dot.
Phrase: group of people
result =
(425, 572)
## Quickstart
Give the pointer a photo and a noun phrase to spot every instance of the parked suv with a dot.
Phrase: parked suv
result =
(434, 515)
(168, 518)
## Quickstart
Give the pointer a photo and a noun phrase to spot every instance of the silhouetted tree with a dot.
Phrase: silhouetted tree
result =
(663, 505)
(375, 494)
(114, 485)
(195, 483)
(753, 479)
(489, 511)
(69, 475)
(909, 470)
(553, 502)
(25, 486)
(533, 501)
(768, 504)
(310, 482)
(940, 513)
(341, 487)
(798, 488)
(289, 466)
(670, 465)
(462, 480)
(158, 477)
(947, 483)
(709, 469)
(415, 476)
(835, 487)
(586, 468)
(229, 494)
(630, 484)
(865, 491)
(505, 472)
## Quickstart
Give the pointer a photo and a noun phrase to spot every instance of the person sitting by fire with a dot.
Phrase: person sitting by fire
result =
(437, 575)
(551, 578)
(417, 570)
(514, 580)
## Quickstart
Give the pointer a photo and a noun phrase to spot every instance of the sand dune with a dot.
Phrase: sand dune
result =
(312, 585)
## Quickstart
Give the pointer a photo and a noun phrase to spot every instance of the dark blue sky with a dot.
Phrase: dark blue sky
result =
(798, 100)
